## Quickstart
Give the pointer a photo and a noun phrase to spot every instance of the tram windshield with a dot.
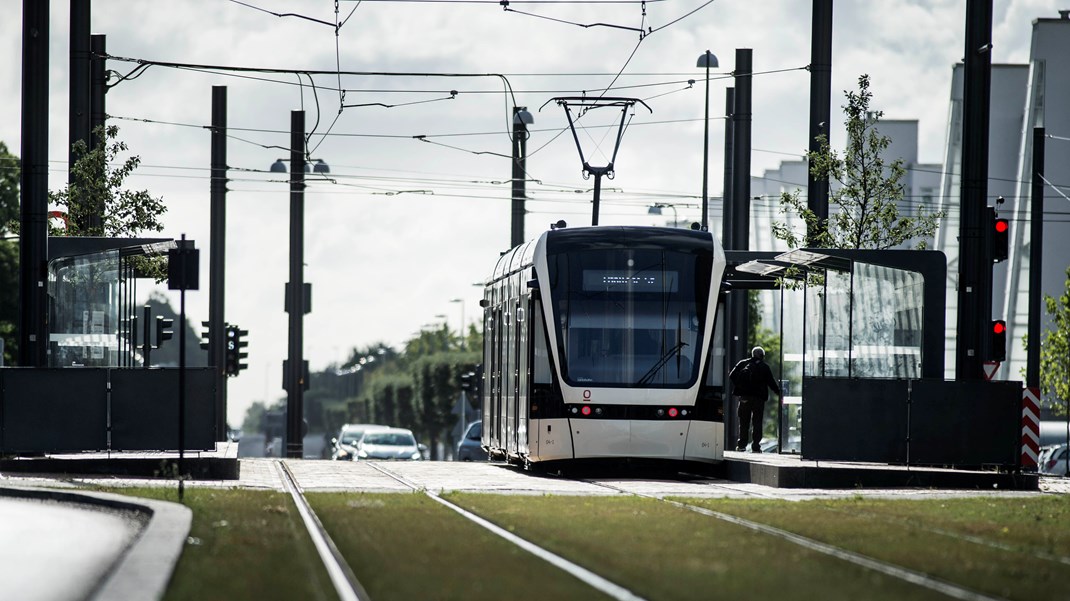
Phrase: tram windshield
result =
(630, 317)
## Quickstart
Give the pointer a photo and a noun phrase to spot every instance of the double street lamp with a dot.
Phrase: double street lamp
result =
(706, 60)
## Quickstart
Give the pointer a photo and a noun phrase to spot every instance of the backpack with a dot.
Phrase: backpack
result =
(745, 378)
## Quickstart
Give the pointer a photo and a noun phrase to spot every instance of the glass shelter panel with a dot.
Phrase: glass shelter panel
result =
(84, 301)
(887, 322)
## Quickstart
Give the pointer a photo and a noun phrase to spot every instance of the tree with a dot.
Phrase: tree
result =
(9, 253)
(868, 194)
(1055, 349)
(98, 190)
(9, 187)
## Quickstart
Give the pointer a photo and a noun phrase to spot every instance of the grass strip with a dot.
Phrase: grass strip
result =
(1016, 548)
(665, 552)
(406, 546)
(243, 544)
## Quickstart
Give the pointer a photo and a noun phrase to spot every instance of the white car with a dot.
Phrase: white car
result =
(389, 444)
(345, 446)
(1053, 460)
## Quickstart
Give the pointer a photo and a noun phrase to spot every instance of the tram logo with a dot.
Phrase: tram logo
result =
(587, 396)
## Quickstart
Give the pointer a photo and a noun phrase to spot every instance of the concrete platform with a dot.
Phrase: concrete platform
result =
(220, 464)
(792, 471)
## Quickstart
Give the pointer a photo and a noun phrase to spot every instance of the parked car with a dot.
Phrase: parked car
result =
(470, 448)
(345, 445)
(1053, 460)
(389, 444)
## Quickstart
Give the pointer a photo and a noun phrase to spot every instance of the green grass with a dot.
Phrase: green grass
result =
(244, 544)
(407, 546)
(1016, 548)
(663, 552)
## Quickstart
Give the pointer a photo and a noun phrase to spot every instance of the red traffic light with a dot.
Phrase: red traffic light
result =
(999, 327)
(1002, 225)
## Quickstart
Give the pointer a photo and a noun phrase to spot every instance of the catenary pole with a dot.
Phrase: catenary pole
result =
(295, 364)
(1036, 245)
(217, 259)
(33, 240)
(975, 260)
(817, 188)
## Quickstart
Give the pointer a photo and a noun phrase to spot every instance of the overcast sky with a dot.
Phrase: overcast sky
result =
(408, 225)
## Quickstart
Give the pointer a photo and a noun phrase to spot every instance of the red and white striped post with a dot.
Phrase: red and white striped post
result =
(1030, 428)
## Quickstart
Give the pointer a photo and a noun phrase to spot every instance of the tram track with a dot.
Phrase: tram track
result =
(912, 576)
(583, 574)
(342, 577)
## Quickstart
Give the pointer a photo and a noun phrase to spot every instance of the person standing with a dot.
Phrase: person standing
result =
(752, 379)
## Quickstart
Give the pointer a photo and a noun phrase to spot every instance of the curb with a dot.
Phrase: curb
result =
(143, 571)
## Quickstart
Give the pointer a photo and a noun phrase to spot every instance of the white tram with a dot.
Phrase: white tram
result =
(597, 346)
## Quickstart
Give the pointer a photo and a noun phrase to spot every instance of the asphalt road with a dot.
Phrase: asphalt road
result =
(49, 550)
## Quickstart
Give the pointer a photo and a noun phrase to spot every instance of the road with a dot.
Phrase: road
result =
(49, 551)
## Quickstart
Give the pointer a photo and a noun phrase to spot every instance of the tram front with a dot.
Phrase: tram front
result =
(631, 313)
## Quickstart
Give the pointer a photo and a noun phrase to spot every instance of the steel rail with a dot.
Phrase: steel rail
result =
(888, 569)
(583, 574)
(342, 577)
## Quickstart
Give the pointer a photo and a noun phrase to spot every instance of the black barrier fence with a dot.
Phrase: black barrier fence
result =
(913, 422)
(101, 409)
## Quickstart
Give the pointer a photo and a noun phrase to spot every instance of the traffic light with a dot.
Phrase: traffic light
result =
(241, 343)
(1000, 239)
(466, 381)
(231, 358)
(999, 340)
(163, 330)
(206, 335)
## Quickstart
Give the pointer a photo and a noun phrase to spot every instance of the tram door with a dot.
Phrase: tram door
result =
(523, 385)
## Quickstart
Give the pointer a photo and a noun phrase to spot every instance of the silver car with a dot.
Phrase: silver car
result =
(389, 444)
(345, 446)
(471, 449)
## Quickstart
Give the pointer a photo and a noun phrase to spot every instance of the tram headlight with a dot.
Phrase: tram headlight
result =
(586, 410)
(661, 413)
(673, 412)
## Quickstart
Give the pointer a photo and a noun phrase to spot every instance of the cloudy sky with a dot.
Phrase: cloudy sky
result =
(406, 225)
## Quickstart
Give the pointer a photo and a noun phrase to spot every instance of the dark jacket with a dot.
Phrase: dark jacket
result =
(762, 382)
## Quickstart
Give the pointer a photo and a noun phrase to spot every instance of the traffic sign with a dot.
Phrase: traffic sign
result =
(991, 367)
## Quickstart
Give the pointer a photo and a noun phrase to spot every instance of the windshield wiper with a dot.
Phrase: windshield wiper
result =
(660, 363)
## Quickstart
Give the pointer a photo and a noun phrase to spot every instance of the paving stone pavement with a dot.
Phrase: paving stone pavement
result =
(445, 477)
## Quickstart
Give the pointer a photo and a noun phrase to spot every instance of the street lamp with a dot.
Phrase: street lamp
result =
(706, 60)
(461, 329)
(655, 209)
(319, 167)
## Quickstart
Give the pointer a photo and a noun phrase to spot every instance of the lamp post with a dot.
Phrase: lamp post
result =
(298, 294)
(460, 331)
(655, 209)
(706, 60)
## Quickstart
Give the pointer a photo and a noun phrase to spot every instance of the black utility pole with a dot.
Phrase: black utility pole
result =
(217, 258)
(817, 189)
(33, 240)
(1036, 239)
(295, 385)
(521, 117)
(97, 114)
(737, 310)
(742, 149)
(975, 261)
(727, 213)
(81, 79)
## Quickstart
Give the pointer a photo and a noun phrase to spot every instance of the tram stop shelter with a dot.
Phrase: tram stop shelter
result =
(862, 352)
(96, 393)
